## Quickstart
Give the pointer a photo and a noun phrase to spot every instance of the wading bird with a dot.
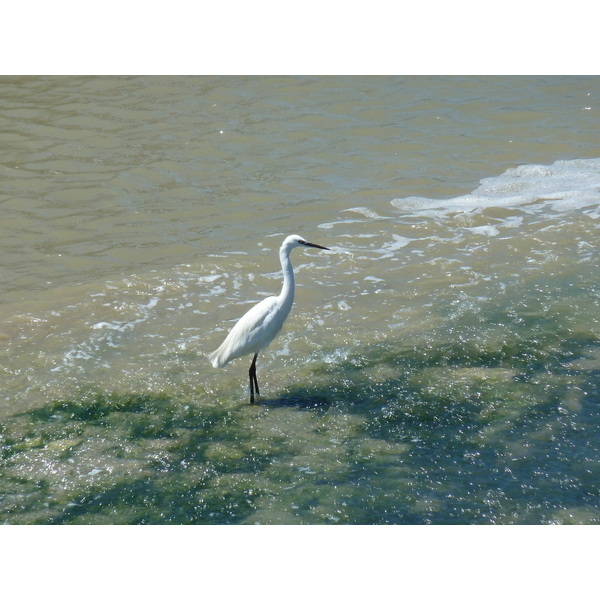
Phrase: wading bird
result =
(261, 324)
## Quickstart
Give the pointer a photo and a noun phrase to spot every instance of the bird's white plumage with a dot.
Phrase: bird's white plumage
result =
(261, 324)
(252, 333)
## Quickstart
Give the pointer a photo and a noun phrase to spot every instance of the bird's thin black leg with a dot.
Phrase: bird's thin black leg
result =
(253, 380)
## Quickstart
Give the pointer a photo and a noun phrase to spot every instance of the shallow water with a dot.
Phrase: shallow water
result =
(440, 365)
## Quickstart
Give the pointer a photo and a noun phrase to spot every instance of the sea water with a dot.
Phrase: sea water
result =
(440, 364)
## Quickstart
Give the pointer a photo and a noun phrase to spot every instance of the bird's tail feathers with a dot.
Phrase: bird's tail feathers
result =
(216, 358)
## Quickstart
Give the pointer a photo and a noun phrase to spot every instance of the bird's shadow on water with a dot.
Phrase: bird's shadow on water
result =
(306, 400)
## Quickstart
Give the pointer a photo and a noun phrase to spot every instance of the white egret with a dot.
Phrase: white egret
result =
(261, 324)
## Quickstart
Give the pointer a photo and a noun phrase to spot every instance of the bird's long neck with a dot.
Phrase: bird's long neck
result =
(287, 291)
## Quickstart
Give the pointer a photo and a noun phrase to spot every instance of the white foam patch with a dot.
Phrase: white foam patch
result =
(366, 212)
(389, 249)
(487, 230)
(566, 185)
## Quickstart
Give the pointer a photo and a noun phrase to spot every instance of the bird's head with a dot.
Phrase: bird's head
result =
(292, 241)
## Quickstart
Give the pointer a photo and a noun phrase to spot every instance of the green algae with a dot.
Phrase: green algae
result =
(474, 431)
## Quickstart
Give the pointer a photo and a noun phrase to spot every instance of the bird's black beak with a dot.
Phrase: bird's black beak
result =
(314, 245)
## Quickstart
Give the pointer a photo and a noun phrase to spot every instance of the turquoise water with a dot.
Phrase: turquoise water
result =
(440, 365)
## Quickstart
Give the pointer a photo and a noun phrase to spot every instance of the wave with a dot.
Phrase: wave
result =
(566, 185)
